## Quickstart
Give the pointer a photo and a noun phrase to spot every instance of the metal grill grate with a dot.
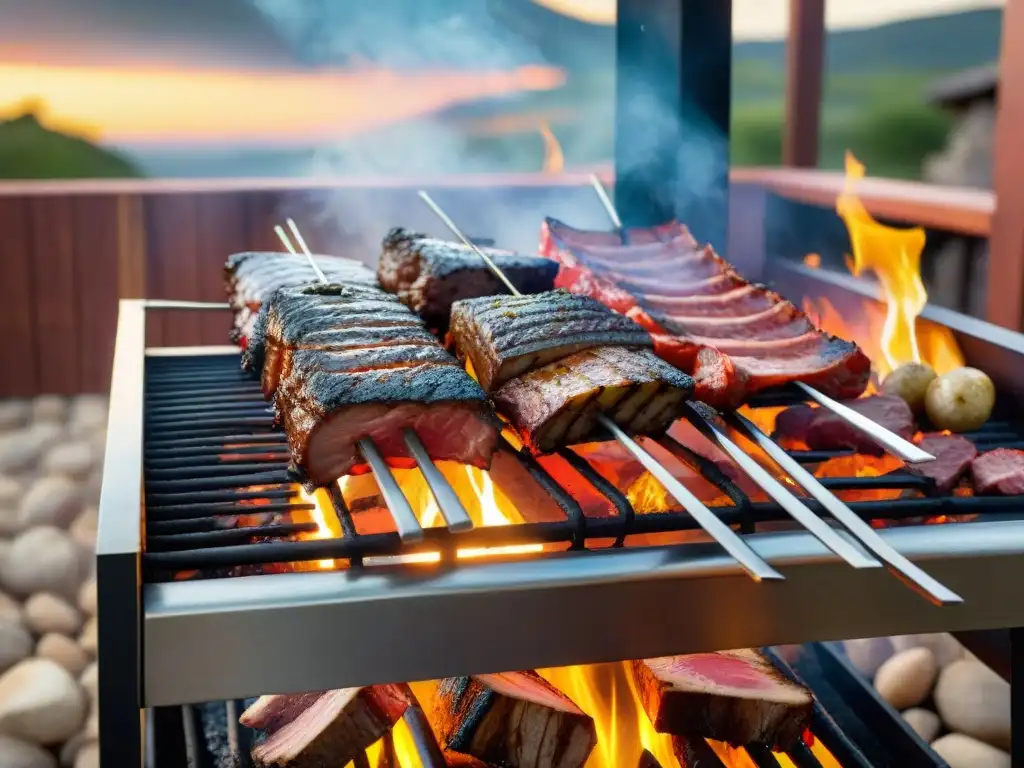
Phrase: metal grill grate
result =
(213, 460)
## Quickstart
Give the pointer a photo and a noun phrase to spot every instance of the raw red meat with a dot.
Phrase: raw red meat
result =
(953, 455)
(734, 696)
(830, 432)
(825, 431)
(736, 338)
(999, 472)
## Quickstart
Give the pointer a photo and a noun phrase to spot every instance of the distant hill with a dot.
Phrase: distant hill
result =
(28, 150)
(938, 43)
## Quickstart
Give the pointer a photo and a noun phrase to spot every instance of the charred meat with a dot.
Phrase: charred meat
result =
(506, 336)
(734, 696)
(558, 404)
(430, 275)
(343, 363)
(736, 338)
(823, 430)
(953, 456)
(252, 277)
(512, 719)
(323, 729)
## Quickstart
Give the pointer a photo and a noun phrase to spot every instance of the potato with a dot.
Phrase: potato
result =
(961, 400)
(910, 381)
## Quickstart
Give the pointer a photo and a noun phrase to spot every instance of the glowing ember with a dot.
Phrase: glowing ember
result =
(860, 465)
(327, 524)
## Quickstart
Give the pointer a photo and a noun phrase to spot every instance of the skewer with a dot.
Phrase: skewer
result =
(408, 526)
(708, 520)
(778, 493)
(283, 237)
(905, 570)
(895, 444)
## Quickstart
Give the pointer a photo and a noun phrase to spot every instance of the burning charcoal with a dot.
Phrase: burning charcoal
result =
(647, 760)
(953, 455)
(328, 728)
(694, 752)
(734, 696)
(513, 719)
(999, 472)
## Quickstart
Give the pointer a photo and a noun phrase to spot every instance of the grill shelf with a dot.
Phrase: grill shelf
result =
(194, 484)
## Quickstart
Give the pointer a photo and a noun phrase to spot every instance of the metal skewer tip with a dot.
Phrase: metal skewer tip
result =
(437, 209)
(896, 445)
(447, 501)
(305, 249)
(408, 526)
(778, 492)
(283, 237)
(740, 551)
(908, 572)
(606, 201)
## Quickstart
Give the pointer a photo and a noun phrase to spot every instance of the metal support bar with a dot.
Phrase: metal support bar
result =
(672, 95)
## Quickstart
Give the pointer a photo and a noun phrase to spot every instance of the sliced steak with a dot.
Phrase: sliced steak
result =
(694, 752)
(325, 414)
(506, 336)
(252, 277)
(514, 719)
(557, 405)
(999, 472)
(953, 455)
(829, 432)
(793, 423)
(555, 234)
(329, 728)
(736, 338)
(430, 275)
(734, 696)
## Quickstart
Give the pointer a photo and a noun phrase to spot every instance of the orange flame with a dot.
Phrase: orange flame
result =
(894, 255)
(554, 158)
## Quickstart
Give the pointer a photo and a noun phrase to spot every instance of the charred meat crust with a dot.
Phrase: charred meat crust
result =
(557, 404)
(505, 336)
(428, 275)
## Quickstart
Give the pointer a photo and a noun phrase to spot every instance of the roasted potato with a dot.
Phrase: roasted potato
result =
(961, 400)
(910, 381)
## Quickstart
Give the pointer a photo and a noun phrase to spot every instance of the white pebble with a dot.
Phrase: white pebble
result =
(50, 408)
(50, 500)
(14, 414)
(924, 722)
(43, 559)
(45, 612)
(867, 654)
(90, 681)
(89, 639)
(40, 702)
(964, 752)
(87, 598)
(943, 646)
(15, 753)
(88, 756)
(10, 609)
(975, 701)
(74, 459)
(71, 747)
(84, 529)
(15, 643)
(906, 679)
(64, 651)
(11, 491)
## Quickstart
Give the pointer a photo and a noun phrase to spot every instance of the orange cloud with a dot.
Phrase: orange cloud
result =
(120, 105)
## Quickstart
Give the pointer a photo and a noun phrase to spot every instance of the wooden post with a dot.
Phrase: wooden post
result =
(805, 61)
(1005, 301)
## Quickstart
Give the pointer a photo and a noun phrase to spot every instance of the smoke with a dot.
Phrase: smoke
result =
(406, 35)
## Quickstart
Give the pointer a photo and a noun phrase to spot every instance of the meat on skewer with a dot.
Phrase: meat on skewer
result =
(429, 275)
(736, 338)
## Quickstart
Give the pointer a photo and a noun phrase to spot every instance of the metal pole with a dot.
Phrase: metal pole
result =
(673, 88)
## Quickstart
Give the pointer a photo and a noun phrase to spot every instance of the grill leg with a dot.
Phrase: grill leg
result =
(1017, 695)
(120, 712)
(673, 86)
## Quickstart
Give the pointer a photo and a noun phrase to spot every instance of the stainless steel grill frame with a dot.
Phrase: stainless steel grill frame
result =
(181, 642)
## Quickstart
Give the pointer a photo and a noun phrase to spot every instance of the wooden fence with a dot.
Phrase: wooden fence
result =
(70, 250)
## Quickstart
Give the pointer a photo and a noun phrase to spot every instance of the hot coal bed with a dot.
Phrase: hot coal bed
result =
(216, 585)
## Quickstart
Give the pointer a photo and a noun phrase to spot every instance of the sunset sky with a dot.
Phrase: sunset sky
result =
(760, 19)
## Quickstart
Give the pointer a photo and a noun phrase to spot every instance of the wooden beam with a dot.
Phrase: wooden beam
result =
(805, 49)
(1005, 301)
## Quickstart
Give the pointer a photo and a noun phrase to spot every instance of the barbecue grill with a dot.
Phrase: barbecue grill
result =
(209, 579)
